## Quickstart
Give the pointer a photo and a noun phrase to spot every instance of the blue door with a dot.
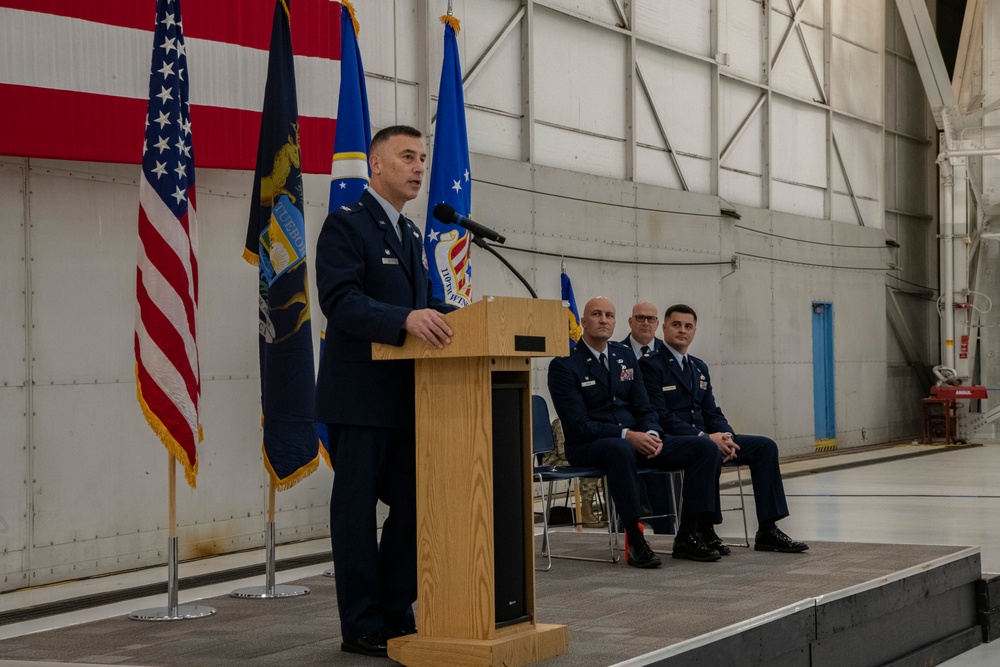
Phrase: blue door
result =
(824, 397)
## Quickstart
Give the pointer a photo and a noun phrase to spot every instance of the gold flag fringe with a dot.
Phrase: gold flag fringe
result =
(326, 455)
(455, 24)
(173, 447)
(295, 477)
(251, 257)
(350, 10)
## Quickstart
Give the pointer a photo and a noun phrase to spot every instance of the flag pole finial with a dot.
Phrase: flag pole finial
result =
(450, 9)
(350, 10)
(448, 19)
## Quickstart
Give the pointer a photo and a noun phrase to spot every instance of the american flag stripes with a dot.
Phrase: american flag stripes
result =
(166, 347)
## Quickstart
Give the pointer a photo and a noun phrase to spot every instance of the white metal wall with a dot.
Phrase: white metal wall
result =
(591, 141)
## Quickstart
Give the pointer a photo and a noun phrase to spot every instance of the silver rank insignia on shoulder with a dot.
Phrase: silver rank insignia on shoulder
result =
(345, 207)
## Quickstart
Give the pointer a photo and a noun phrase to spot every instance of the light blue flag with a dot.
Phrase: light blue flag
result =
(447, 246)
(569, 300)
(350, 172)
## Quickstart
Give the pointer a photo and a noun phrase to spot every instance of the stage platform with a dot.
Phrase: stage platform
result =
(836, 604)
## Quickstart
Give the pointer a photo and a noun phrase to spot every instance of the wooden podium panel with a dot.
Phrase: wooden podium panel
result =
(493, 342)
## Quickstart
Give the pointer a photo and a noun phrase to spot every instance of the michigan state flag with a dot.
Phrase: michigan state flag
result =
(349, 175)
(447, 246)
(276, 244)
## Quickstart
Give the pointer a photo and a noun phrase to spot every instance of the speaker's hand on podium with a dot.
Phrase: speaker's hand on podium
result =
(430, 327)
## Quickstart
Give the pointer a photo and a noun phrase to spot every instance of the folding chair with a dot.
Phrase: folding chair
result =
(677, 483)
(542, 443)
(742, 507)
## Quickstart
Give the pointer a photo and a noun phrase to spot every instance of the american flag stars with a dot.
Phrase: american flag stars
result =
(167, 153)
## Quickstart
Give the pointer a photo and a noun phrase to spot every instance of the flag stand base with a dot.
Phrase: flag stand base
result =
(173, 611)
(269, 590)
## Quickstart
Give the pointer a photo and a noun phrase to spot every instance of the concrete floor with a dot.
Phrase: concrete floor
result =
(950, 496)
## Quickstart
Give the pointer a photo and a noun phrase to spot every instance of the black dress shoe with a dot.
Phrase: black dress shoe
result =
(713, 541)
(775, 540)
(642, 555)
(372, 644)
(691, 547)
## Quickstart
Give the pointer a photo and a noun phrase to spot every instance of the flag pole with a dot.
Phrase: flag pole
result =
(269, 590)
(173, 611)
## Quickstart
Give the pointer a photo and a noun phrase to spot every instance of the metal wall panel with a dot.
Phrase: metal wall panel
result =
(791, 74)
(683, 24)
(655, 167)
(740, 24)
(799, 153)
(681, 93)
(588, 154)
(736, 101)
(860, 21)
(856, 80)
(578, 63)
(498, 85)
(14, 486)
(599, 12)
(15, 472)
(740, 188)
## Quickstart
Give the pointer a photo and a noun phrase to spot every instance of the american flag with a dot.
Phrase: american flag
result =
(166, 347)
(91, 57)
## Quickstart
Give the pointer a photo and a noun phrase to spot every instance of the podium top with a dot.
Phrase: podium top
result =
(494, 326)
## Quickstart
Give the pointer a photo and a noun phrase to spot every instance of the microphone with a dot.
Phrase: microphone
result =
(447, 214)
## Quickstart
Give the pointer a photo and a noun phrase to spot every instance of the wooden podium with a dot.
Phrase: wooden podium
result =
(475, 572)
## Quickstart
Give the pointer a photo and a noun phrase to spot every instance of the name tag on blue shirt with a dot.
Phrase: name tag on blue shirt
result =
(671, 387)
(589, 383)
(390, 260)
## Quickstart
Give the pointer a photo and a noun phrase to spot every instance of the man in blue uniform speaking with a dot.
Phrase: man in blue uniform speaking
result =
(601, 401)
(680, 391)
(373, 287)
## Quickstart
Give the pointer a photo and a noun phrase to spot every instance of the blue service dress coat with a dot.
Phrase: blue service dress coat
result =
(655, 347)
(369, 281)
(595, 404)
(685, 405)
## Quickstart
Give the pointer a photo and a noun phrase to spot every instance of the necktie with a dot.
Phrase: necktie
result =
(604, 360)
(645, 350)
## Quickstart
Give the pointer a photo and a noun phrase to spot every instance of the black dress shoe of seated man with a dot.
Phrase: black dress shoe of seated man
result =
(373, 644)
(642, 555)
(691, 547)
(713, 541)
(775, 540)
